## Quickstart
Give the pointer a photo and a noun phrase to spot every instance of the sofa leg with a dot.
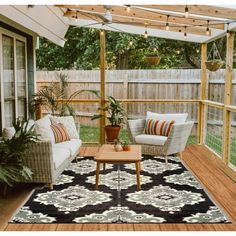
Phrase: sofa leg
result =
(166, 161)
(50, 186)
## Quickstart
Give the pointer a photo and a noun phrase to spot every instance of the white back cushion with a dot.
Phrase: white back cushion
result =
(69, 123)
(177, 117)
(43, 128)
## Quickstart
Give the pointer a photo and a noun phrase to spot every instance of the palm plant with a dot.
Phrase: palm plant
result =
(12, 151)
(55, 99)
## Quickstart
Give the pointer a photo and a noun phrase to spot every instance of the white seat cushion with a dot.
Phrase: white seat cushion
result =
(177, 117)
(59, 155)
(150, 139)
(73, 145)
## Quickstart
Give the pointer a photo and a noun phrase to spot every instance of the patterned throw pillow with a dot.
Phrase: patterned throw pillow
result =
(69, 124)
(60, 133)
(158, 127)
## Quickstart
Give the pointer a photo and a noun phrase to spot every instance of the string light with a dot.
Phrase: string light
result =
(154, 49)
(145, 33)
(178, 51)
(228, 32)
(186, 12)
(102, 32)
(76, 17)
(207, 29)
(128, 8)
(197, 50)
(185, 32)
(167, 23)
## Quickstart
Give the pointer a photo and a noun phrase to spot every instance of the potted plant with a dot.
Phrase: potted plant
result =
(55, 98)
(117, 146)
(153, 58)
(116, 117)
(12, 150)
(126, 146)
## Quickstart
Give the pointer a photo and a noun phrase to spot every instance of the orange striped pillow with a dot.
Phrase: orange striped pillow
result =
(60, 133)
(158, 127)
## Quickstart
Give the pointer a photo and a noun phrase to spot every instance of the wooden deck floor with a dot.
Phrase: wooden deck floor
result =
(217, 179)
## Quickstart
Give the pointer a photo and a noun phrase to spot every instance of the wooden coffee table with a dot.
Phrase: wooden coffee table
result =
(107, 154)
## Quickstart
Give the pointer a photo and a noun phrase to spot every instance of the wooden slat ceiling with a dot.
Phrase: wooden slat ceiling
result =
(155, 16)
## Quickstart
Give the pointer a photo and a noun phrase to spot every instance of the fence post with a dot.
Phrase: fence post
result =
(204, 95)
(228, 96)
(125, 93)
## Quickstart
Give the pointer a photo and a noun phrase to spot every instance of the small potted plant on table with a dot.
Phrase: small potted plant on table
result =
(116, 117)
(126, 146)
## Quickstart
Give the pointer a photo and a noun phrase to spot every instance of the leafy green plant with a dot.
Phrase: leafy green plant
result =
(55, 99)
(116, 112)
(12, 151)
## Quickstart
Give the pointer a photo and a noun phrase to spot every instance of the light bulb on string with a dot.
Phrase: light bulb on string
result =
(228, 32)
(167, 23)
(185, 33)
(186, 12)
(128, 8)
(145, 33)
(207, 29)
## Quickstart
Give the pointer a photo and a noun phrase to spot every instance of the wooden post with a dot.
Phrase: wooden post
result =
(228, 96)
(102, 85)
(125, 94)
(203, 95)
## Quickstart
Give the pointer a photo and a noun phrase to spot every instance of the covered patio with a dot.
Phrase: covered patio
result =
(213, 161)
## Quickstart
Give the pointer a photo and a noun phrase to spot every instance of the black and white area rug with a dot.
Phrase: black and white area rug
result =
(171, 195)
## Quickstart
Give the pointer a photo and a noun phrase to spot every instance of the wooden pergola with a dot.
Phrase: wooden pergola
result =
(192, 23)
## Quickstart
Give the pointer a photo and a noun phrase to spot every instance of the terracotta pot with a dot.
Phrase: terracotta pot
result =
(126, 147)
(112, 132)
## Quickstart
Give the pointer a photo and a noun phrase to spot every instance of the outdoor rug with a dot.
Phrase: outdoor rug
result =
(171, 195)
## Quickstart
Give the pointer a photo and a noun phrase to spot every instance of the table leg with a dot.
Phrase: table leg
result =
(97, 174)
(104, 166)
(138, 174)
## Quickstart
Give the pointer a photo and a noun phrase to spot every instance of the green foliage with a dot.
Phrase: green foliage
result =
(50, 97)
(123, 51)
(116, 113)
(12, 151)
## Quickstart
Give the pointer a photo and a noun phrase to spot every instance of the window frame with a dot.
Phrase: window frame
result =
(2, 98)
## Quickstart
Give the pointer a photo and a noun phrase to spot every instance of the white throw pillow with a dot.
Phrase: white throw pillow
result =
(8, 133)
(43, 128)
(177, 117)
(69, 124)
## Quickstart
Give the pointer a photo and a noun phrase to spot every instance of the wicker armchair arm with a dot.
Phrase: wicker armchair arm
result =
(178, 137)
(38, 158)
(135, 127)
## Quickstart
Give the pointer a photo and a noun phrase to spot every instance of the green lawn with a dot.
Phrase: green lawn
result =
(91, 134)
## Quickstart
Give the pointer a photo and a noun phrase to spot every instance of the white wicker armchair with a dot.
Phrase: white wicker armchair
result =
(175, 143)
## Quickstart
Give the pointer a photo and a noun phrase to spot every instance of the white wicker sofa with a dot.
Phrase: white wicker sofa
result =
(48, 159)
(161, 145)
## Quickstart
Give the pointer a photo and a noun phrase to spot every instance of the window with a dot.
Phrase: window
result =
(13, 78)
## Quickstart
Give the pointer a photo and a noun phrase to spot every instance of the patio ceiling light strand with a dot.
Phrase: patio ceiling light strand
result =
(185, 32)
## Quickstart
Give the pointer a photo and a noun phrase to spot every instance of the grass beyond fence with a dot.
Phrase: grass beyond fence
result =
(91, 134)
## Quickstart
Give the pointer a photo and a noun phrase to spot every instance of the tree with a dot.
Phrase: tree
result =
(123, 51)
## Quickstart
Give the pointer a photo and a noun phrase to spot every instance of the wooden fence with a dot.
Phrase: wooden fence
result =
(142, 84)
